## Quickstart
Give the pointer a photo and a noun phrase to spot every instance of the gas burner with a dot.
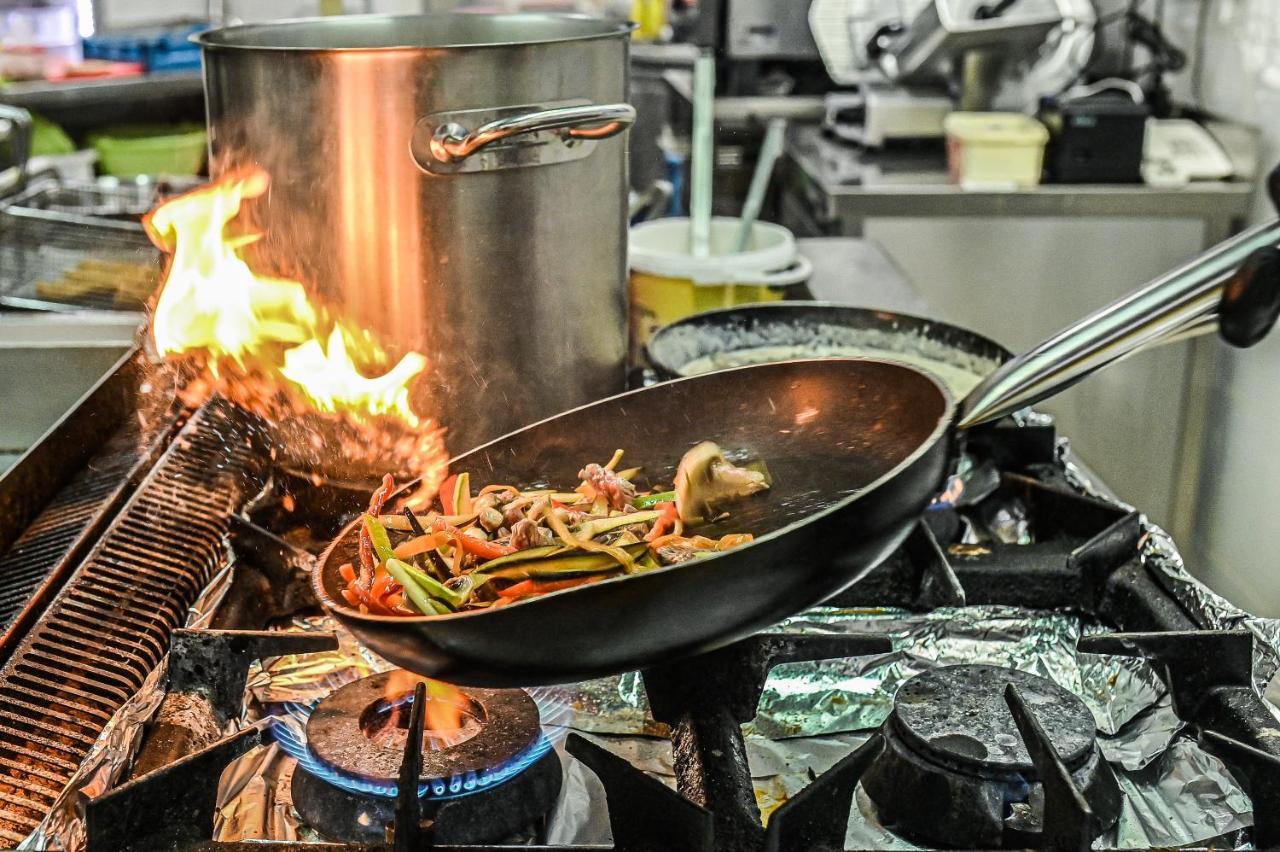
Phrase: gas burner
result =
(955, 770)
(485, 776)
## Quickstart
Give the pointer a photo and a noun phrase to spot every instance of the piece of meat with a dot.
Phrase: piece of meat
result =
(513, 513)
(617, 492)
(526, 534)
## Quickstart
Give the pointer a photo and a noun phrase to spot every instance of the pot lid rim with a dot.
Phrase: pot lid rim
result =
(240, 37)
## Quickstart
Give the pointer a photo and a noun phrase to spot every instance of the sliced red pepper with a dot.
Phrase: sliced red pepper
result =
(665, 522)
(475, 546)
(446, 493)
(376, 502)
(542, 587)
(479, 547)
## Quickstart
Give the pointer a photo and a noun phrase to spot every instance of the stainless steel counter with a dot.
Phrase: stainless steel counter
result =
(858, 272)
(47, 362)
(831, 188)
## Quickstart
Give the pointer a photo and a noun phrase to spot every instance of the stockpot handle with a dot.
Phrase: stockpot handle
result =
(452, 142)
(1233, 288)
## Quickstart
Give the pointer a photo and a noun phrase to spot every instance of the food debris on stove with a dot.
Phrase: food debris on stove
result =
(507, 544)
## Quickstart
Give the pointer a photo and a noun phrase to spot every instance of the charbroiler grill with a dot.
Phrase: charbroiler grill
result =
(116, 523)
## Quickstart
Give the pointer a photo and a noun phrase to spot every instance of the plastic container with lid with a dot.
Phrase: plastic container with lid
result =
(668, 283)
(994, 150)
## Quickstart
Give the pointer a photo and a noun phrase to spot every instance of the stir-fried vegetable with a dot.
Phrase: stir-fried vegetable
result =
(502, 544)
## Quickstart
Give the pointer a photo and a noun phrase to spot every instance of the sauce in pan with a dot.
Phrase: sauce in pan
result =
(959, 379)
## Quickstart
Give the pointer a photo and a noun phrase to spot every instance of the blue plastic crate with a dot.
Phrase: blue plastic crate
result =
(165, 49)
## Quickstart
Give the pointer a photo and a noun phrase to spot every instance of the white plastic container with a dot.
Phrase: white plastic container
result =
(994, 150)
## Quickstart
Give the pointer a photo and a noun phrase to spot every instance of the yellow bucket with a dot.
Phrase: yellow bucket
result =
(668, 283)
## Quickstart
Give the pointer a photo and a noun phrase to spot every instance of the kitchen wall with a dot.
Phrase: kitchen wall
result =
(1018, 281)
(1236, 548)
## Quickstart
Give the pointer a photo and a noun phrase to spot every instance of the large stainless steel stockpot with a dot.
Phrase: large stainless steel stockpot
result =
(457, 183)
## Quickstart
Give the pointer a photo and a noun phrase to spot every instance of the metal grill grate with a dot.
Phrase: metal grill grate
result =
(70, 520)
(109, 626)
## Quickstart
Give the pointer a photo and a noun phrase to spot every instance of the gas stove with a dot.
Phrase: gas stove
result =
(1033, 668)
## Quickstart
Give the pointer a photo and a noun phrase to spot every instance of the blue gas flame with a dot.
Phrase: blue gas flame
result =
(289, 729)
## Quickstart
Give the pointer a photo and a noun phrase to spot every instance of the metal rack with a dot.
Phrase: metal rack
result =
(69, 247)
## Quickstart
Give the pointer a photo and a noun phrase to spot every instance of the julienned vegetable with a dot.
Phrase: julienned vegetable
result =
(502, 545)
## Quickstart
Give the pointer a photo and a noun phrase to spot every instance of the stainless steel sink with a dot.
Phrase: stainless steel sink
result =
(47, 362)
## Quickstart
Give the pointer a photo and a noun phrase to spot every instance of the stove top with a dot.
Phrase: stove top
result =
(1034, 667)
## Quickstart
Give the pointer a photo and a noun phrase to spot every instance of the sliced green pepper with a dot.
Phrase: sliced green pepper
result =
(648, 500)
(524, 555)
(381, 541)
(429, 584)
(415, 593)
(462, 494)
(560, 567)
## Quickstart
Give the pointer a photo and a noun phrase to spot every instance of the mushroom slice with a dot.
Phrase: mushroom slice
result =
(705, 479)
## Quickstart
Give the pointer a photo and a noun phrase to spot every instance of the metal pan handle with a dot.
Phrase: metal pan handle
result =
(1233, 287)
(452, 141)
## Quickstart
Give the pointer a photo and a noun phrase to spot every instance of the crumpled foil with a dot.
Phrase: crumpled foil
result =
(1186, 796)
(253, 798)
(856, 693)
(304, 678)
(1145, 737)
(118, 742)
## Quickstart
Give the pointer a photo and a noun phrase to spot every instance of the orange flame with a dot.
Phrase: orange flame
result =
(262, 342)
(443, 722)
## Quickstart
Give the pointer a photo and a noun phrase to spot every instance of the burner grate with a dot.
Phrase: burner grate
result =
(110, 625)
(55, 532)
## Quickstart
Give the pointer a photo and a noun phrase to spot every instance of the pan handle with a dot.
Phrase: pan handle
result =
(1233, 287)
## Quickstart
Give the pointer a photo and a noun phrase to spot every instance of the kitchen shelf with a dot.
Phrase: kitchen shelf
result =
(169, 96)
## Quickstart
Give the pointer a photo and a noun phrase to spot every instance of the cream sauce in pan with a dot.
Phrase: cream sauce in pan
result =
(958, 378)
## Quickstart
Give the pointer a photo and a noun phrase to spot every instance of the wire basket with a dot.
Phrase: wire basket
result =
(74, 246)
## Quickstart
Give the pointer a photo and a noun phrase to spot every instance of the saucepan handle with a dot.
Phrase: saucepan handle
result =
(453, 141)
(1233, 287)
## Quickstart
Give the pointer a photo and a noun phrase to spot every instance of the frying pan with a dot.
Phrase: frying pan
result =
(857, 449)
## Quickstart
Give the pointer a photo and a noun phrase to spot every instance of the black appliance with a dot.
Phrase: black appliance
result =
(1095, 139)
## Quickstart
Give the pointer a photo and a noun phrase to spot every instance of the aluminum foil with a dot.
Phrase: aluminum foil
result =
(1184, 797)
(255, 801)
(304, 678)
(856, 693)
(1187, 796)
(1145, 738)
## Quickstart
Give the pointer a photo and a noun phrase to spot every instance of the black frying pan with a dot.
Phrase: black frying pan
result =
(857, 448)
